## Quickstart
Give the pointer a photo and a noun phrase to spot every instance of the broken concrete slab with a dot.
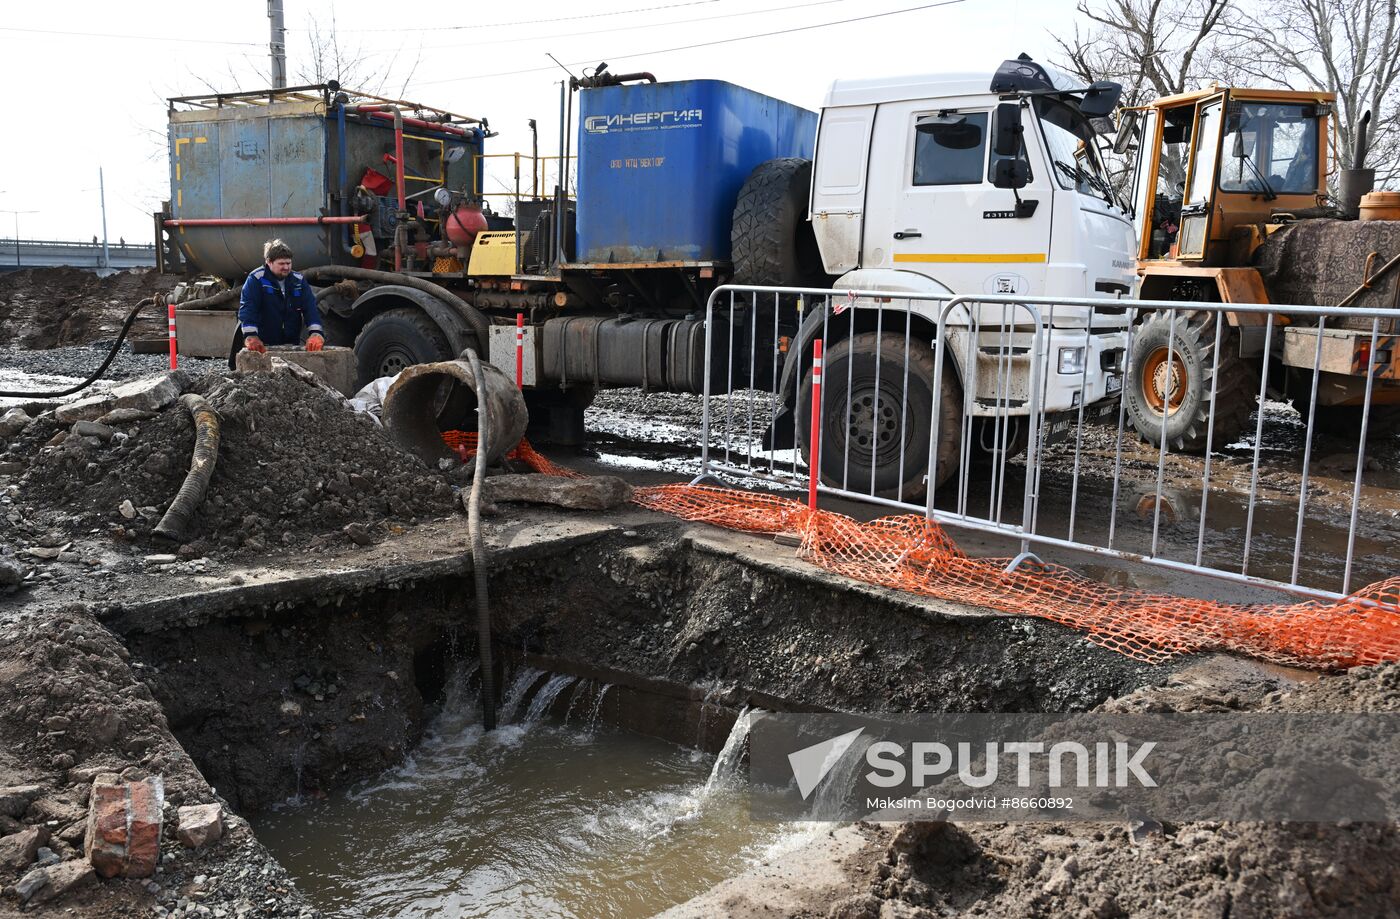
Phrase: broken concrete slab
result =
(93, 429)
(49, 883)
(18, 851)
(125, 416)
(124, 824)
(591, 493)
(200, 825)
(13, 421)
(335, 367)
(150, 394)
(15, 800)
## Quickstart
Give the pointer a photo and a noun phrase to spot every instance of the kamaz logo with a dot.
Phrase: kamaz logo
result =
(643, 121)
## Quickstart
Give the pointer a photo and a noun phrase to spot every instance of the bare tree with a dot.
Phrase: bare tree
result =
(1348, 47)
(353, 67)
(1154, 48)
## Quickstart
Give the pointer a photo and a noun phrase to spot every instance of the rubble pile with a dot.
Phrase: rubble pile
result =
(295, 467)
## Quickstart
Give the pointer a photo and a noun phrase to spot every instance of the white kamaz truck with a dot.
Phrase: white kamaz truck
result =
(966, 183)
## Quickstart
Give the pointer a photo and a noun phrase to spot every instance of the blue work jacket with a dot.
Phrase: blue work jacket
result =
(277, 318)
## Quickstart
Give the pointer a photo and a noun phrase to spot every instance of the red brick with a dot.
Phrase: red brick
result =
(143, 846)
(124, 824)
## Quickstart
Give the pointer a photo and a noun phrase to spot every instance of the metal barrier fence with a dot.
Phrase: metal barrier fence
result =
(1030, 388)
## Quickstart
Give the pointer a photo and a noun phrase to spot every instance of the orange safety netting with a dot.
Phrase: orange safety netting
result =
(909, 552)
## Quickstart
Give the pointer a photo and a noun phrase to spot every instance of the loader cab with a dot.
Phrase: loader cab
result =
(1212, 161)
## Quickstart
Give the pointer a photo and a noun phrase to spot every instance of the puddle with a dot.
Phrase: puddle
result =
(550, 815)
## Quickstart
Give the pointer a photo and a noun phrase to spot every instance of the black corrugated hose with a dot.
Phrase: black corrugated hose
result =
(97, 374)
(479, 566)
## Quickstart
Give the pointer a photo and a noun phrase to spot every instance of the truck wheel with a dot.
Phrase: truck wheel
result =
(400, 338)
(1184, 399)
(879, 425)
(772, 243)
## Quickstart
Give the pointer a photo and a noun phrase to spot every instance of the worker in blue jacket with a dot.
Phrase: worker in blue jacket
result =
(277, 303)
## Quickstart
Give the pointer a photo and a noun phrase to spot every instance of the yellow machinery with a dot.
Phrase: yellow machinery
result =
(1232, 205)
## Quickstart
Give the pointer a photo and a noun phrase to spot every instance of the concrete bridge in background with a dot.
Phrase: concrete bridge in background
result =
(52, 253)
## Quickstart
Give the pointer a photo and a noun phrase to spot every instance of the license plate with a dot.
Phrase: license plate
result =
(1114, 383)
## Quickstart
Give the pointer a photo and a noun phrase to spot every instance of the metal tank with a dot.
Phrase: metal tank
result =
(296, 163)
(660, 166)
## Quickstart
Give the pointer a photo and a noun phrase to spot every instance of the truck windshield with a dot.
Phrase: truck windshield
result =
(1270, 148)
(1070, 141)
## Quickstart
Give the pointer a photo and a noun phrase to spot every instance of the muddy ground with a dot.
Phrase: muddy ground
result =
(279, 657)
(1237, 870)
(53, 307)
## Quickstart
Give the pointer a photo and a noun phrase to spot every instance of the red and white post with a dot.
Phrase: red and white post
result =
(519, 350)
(814, 457)
(170, 314)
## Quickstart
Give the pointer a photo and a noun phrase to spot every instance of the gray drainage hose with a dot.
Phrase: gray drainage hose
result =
(206, 454)
(479, 566)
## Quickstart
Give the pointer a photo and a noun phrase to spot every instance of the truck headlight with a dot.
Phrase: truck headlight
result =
(1071, 360)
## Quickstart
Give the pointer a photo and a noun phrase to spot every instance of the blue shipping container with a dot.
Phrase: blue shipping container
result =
(660, 165)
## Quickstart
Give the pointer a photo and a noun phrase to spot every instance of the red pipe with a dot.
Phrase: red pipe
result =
(420, 123)
(260, 221)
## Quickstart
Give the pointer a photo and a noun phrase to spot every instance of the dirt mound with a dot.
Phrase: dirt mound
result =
(1168, 870)
(1323, 261)
(294, 466)
(51, 307)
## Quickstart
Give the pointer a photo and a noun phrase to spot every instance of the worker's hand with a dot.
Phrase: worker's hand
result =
(254, 343)
(314, 342)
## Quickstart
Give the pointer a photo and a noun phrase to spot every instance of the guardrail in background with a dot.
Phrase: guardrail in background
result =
(1031, 450)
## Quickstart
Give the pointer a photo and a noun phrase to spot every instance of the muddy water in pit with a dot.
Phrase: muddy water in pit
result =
(546, 816)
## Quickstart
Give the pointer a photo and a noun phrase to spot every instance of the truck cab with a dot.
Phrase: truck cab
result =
(984, 183)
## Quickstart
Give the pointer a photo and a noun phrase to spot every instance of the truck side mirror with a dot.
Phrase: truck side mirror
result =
(1006, 130)
(1127, 132)
(1100, 99)
(1011, 173)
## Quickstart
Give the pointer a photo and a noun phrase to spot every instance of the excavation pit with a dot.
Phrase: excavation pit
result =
(335, 713)
(339, 712)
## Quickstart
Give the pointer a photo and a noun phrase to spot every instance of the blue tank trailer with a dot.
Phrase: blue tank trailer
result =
(612, 275)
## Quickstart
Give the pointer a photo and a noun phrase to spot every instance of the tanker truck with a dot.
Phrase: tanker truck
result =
(943, 184)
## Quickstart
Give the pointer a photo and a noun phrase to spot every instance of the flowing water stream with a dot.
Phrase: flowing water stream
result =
(543, 817)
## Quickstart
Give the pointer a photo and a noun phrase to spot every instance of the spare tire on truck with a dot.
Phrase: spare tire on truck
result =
(772, 241)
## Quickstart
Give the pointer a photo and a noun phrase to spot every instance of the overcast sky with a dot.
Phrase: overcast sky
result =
(95, 75)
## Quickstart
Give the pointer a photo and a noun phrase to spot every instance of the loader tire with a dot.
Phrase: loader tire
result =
(772, 242)
(399, 338)
(879, 423)
(1185, 398)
